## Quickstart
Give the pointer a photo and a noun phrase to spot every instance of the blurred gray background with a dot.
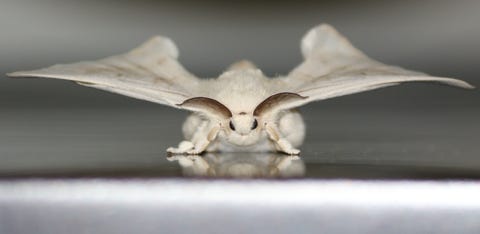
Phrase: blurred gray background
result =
(53, 121)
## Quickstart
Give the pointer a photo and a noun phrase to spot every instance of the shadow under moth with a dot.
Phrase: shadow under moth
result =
(242, 109)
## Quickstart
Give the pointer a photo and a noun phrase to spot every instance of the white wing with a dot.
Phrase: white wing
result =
(333, 67)
(149, 72)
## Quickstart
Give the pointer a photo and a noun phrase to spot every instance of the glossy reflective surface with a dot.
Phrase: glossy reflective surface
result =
(241, 165)
(345, 142)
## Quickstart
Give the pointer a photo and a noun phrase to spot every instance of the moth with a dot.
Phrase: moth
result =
(242, 109)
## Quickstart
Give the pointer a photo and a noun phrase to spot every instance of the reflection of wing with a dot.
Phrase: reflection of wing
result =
(333, 67)
(149, 72)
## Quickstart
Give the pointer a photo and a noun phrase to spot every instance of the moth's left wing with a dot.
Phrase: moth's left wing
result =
(150, 72)
(333, 67)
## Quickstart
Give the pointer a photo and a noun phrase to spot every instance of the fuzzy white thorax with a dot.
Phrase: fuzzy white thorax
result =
(239, 90)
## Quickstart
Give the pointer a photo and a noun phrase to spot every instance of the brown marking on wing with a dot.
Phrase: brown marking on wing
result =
(275, 100)
(207, 104)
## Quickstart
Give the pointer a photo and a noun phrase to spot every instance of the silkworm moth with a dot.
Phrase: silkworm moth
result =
(242, 109)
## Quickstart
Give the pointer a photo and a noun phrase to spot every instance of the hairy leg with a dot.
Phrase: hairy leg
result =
(287, 133)
(199, 133)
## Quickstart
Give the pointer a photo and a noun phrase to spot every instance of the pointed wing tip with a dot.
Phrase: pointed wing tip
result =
(458, 83)
(468, 86)
(25, 74)
(17, 74)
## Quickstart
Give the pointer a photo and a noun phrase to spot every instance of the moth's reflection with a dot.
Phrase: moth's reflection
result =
(240, 165)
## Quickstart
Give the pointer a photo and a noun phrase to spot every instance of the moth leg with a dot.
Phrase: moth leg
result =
(183, 147)
(285, 146)
(203, 138)
(281, 143)
(197, 131)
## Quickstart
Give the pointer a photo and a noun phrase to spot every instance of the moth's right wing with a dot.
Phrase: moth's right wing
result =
(150, 72)
(333, 67)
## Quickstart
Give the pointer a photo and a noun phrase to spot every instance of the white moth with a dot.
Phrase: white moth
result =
(242, 109)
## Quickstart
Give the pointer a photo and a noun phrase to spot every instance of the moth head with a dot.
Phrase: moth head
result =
(240, 128)
(243, 123)
(243, 129)
(246, 126)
